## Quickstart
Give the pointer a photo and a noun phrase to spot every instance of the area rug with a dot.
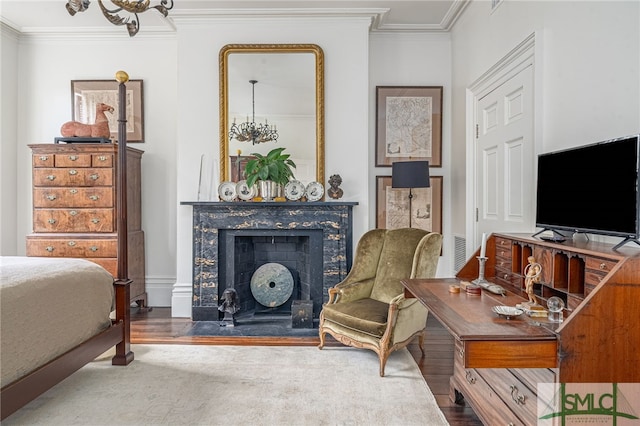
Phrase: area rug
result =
(239, 385)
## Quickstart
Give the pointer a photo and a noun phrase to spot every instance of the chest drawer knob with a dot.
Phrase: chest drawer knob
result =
(73, 191)
(72, 243)
(73, 212)
(95, 220)
(515, 395)
(73, 157)
(51, 221)
(603, 266)
(51, 177)
(93, 248)
(469, 377)
(43, 158)
(94, 177)
(51, 197)
(73, 172)
(506, 276)
(94, 197)
(102, 158)
(49, 249)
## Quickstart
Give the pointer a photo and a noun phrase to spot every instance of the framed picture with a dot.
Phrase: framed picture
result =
(408, 124)
(85, 94)
(393, 209)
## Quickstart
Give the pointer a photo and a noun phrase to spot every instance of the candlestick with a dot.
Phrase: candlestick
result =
(481, 281)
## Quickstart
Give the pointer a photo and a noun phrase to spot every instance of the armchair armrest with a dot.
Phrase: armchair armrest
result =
(349, 291)
(410, 317)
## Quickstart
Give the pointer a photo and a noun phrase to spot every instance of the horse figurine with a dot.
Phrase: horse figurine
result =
(100, 128)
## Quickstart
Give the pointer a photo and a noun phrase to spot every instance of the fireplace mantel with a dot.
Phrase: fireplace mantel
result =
(334, 218)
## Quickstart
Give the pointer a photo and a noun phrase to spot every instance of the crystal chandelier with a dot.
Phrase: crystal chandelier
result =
(132, 7)
(251, 131)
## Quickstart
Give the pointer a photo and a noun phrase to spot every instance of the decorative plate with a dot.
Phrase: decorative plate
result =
(245, 192)
(315, 191)
(294, 190)
(227, 191)
(507, 312)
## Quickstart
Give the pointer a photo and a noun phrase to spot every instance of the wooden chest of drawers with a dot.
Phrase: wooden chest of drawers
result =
(75, 205)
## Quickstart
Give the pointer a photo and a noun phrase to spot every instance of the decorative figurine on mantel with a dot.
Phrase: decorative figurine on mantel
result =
(334, 190)
(532, 272)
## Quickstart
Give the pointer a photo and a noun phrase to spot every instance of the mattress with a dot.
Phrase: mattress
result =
(47, 307)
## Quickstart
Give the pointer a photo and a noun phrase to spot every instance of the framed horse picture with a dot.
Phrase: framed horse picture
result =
(87, 94)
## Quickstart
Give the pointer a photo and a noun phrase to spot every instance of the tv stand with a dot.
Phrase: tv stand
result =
(557, 237)
(625, 241)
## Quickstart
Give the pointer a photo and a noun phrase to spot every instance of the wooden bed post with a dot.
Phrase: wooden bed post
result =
(123, 349)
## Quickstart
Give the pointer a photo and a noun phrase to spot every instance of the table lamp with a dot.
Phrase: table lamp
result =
(410, 174)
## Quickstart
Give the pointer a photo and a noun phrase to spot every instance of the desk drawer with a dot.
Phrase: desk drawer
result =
(519, 398)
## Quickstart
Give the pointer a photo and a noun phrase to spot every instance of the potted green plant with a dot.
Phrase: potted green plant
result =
(269, 171)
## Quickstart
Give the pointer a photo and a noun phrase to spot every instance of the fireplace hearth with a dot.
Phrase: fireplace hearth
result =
(232, 240)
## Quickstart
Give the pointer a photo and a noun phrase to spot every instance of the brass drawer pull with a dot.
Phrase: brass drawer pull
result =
(73, 172)
(603, 266)
(517, 398)
(506, 276)
(73, 157)
(73, 212)
(102, 158)
(93, 248)
(95, 220)
(51, 221)
(94, 176)
(94, 197)
(51, 177)
(43, 158)
(51, 197)
(73, 191)
(49, 249)
(469, 377)
(72, 243)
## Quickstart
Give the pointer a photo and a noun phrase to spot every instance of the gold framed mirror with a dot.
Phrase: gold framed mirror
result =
(282, 84)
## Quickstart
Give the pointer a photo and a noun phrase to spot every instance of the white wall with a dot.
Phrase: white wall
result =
(8, 134)
(587, 72)
(47, 64)
(346, 110)
(414, 60)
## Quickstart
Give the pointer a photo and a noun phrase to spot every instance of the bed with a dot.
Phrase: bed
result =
(58, 314)
(55, 316)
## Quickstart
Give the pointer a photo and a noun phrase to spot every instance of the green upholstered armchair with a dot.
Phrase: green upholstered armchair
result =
(368, 308)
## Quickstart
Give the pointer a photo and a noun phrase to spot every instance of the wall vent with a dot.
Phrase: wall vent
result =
(459, 252)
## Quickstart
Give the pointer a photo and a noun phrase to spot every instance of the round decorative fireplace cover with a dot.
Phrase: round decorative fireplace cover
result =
(272, 284)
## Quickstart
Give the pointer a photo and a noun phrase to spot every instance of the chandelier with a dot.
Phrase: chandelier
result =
(251, 131)
(132, 7)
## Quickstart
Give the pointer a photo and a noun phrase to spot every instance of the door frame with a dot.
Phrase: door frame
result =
(511, 64)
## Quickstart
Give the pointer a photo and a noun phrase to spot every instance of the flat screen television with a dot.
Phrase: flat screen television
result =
(591, 189)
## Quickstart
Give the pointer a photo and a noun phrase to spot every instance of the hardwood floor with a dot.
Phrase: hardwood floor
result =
(157, 326)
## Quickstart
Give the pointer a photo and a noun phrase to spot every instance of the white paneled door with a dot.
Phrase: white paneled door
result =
(505, 186)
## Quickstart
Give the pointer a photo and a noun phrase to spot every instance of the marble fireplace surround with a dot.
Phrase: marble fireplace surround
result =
(334, 219)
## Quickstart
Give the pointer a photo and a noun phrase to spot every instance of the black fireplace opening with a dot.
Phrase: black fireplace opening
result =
(245, 253)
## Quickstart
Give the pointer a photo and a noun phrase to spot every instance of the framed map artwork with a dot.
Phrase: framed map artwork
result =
(392, 205)
(408, 124)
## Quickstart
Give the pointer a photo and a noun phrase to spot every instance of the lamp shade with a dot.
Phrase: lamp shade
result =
(410, 174)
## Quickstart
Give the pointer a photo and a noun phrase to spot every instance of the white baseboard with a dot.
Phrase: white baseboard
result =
(159, 290)
(181, 300)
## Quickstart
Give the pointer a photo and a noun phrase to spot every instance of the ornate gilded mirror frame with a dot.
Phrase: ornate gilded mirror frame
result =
(224, 97)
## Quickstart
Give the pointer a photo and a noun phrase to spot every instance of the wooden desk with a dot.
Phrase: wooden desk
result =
(498, 363)
(487, 341)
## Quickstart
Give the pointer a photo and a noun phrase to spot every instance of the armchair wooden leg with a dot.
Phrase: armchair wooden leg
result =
(321, 345)
(383, 361)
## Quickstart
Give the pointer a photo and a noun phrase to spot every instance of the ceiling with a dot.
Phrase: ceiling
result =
(41, 16)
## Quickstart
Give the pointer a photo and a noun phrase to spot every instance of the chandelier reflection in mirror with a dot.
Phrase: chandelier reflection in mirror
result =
(132, 7)
(250, 130)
